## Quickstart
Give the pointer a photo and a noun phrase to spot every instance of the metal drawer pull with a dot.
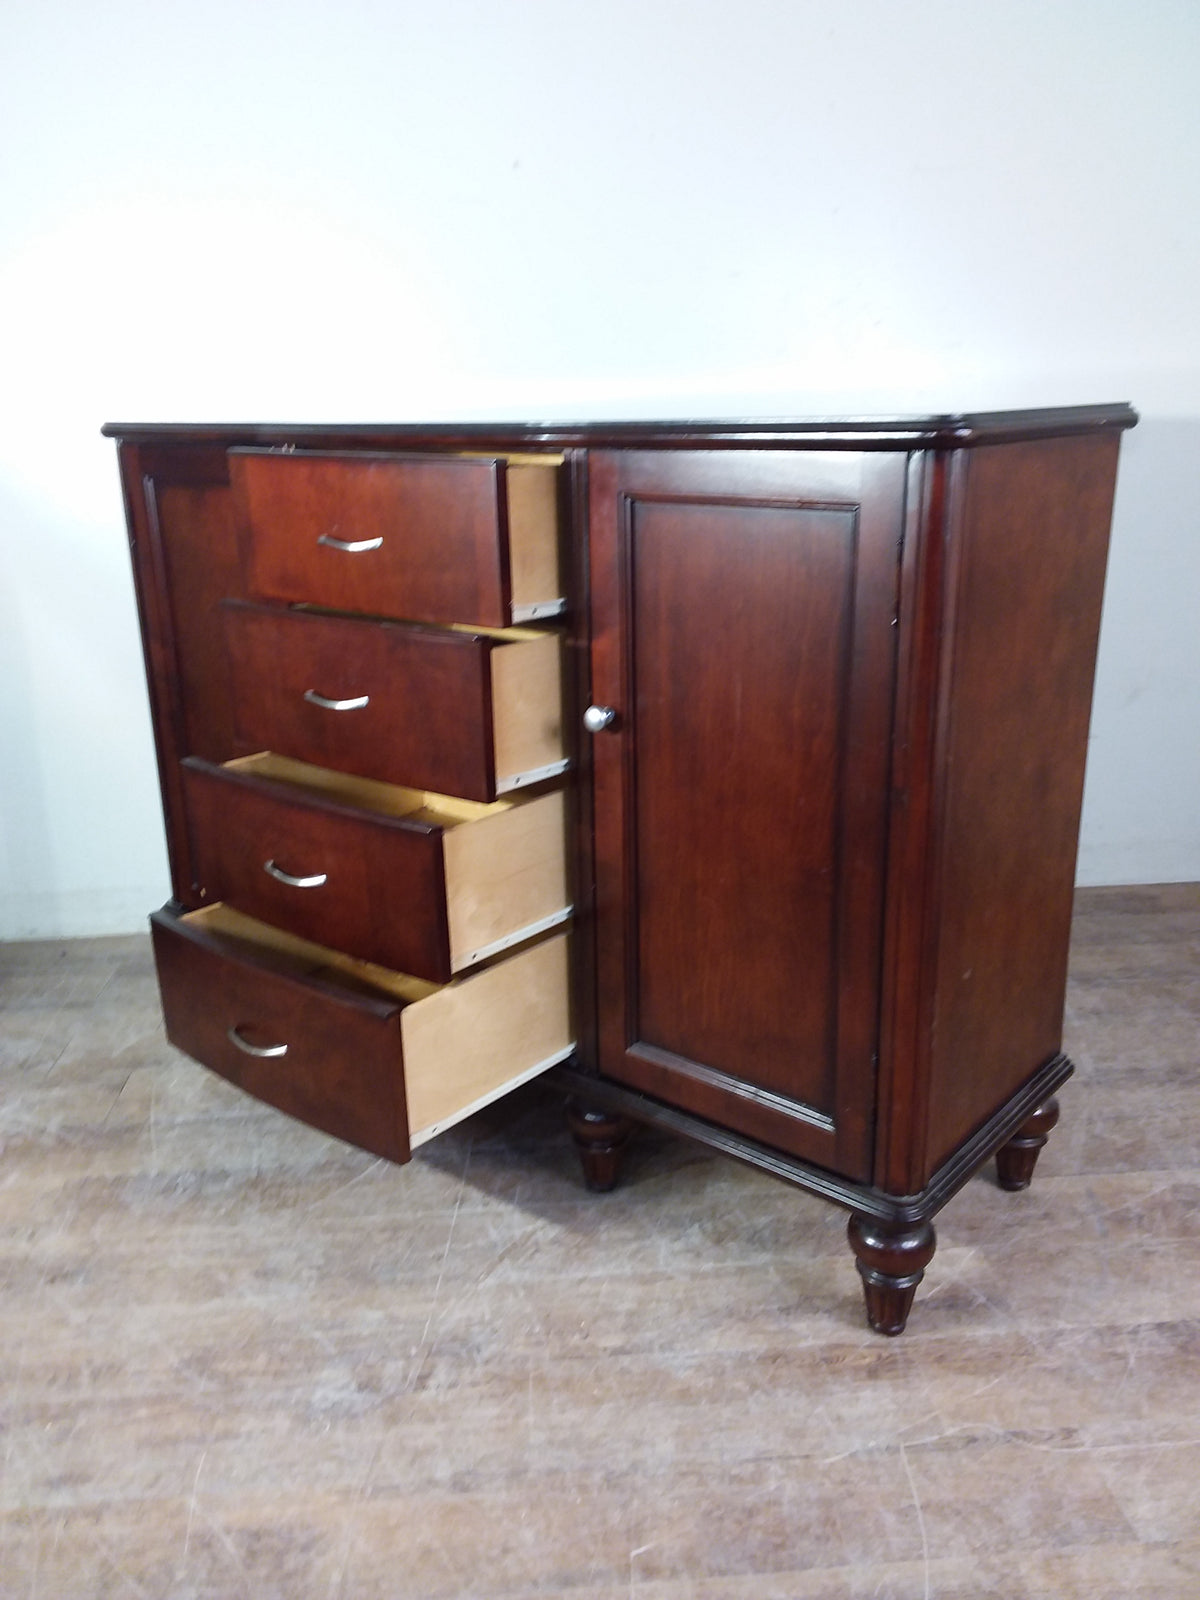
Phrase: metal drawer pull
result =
(352, 547)
(313, 882)
(235, 1037)
(356, 704)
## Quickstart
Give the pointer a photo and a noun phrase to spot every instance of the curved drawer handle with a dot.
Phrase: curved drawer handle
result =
(352, 547)
(355, 704)
(235, 1037)
(313, 882)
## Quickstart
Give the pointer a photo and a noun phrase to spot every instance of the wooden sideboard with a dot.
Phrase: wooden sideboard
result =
(729, 773)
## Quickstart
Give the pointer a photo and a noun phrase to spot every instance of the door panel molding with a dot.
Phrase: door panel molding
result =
(721, 587)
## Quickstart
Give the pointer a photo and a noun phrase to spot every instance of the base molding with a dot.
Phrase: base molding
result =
(898, 1211)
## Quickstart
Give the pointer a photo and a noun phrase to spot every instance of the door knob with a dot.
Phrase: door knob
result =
(597, 718)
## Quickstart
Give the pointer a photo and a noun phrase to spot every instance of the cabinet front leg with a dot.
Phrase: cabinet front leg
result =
(891, 1261)
(600, 1137)
(1016, 1160)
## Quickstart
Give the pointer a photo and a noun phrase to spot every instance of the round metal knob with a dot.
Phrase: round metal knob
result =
(597, 718)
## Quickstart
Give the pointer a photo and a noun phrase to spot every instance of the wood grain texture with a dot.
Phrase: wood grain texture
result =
(441, 526)
(1016, 1160)
(384, 895)
(527, 706)
(475, 1038)
(905, 1001)
(1028, 544)
(203, 567)
(428, 723)
(505, 872)
(743, 611)
(342, 1070)
(168, 488)
(737, 689)
(891, 1263)
(832, 832)
(407, 1380)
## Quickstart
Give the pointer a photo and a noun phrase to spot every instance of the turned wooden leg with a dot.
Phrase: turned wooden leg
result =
(891, 1261)
(600, 1137)
(1016, 1160)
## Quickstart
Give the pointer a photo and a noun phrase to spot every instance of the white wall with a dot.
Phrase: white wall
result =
(379, 209)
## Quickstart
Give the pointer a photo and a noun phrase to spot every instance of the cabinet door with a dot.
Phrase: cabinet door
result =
(744, 608)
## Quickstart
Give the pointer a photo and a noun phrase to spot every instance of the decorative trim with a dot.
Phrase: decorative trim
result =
(737, 1088)
(897, 1209)
(950, 431)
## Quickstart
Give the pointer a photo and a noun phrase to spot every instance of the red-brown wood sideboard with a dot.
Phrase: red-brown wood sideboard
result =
(730, 773)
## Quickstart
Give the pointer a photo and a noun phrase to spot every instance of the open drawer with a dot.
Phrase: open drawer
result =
(427, 538)
(454, 710)
(374, 1057)
(420, 882)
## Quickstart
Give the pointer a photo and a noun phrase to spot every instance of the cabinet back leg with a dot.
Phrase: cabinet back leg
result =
(600, 1137)
(1016, 1160)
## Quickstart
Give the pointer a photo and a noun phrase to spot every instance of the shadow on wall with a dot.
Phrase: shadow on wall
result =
(81, 847)
(1141, 816)
(26, 855)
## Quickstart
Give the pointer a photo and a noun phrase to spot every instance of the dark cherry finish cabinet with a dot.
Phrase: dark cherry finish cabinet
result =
(814, 832)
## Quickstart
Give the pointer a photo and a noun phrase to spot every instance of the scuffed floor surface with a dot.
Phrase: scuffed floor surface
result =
(240, 1359)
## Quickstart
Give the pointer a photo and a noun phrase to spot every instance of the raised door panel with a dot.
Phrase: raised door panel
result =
(743, 632)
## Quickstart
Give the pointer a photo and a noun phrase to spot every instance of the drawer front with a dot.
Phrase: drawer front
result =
(371, 886)
(416, 705)
(340, 1065)
(424, 538)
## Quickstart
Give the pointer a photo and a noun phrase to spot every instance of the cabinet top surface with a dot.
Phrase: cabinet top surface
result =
(950, 431)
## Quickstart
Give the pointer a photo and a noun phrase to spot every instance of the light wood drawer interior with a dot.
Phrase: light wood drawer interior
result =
(459, 1046)
(533, 539)
(527, 731)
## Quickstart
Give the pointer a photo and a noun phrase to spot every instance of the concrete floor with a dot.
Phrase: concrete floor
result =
(240, 1359)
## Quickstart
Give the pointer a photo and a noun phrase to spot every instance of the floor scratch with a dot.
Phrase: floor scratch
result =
(912, 1484)
(191, 1515)
(423, 1342)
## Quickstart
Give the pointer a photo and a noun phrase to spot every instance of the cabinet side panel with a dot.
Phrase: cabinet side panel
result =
(201, 556)
(1028, 552)
(167, 490)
